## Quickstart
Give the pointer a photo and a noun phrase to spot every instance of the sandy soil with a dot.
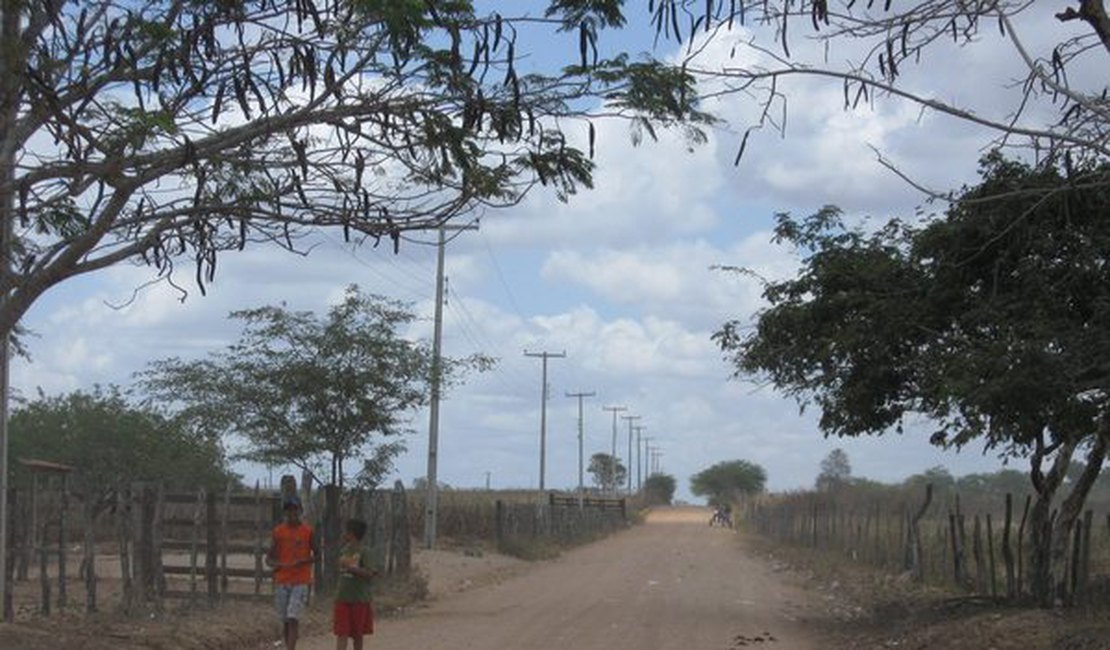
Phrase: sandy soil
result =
(673, 583)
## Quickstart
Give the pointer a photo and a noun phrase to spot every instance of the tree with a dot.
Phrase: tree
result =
(987, 320)
(727, 481)
(167, 130)
(608, 472)
(659, 489)
(112, 442)
(871, 49)
(308, 390)
(836, 471)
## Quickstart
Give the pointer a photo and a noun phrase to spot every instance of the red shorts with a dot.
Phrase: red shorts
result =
(353, 619)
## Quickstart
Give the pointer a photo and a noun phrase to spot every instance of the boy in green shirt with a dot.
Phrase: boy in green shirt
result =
(354, 613)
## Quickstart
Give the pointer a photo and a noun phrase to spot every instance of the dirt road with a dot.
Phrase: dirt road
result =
(673, 583)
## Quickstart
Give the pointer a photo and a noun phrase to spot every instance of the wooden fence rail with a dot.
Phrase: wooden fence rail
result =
(983, 552)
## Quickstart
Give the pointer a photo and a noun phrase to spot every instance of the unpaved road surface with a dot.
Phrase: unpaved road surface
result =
(673, 583)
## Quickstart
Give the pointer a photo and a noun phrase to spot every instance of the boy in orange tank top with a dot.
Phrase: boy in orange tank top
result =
(291, 555)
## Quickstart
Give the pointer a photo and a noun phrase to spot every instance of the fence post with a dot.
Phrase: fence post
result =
(89, 562)
(1021, 544)
(400, 544)
(224, 515)
(257, 539)
(211, 568)
(499, 523)
(331, 533)
(990, 557)
(63, 507)
(1007, 551)
(980, 564)
(123, 532)
(194, 545)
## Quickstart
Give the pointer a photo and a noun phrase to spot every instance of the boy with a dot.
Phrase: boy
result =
(354, 613)
(291, 555)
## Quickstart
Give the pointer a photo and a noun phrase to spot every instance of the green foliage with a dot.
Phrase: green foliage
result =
(309, 390)
(987, 320)
(726, 481)
(112, 442)
(271, 120)
(608, 473)
(659, 489)
(836, 471)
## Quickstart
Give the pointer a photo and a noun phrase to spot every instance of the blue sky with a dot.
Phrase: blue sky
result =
(619, 278)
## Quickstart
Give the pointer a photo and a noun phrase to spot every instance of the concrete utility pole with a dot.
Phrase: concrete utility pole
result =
(580, 396)
(543, 406)
(646, 456)
(628, 469)
(613, 455)
(431, 499)
(639, 463)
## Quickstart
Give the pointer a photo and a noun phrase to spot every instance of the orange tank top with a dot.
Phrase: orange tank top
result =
(293, 544)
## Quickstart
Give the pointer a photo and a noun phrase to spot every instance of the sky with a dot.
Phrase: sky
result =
(620, 278)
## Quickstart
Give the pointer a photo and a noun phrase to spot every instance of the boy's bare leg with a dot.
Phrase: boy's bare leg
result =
(340, 643)
(356, 641)
(291, 629)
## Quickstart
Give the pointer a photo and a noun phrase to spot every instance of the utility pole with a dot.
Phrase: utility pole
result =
(646, 456)
(580, 396)
(613, 455)
(628, 469)
(487, 481)
(431, 508)
(543, 406)
(639, 463)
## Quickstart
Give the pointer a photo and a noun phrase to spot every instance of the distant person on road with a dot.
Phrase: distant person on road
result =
(292, 552)
(353, 616)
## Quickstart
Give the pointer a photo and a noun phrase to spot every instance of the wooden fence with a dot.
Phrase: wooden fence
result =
(984, 552)
(150, 545)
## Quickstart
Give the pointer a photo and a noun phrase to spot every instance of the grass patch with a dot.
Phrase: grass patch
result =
(530, 549)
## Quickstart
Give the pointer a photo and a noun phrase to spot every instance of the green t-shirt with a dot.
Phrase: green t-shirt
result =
(355, 589)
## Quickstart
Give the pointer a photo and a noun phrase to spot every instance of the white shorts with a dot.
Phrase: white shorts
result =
(289, 600)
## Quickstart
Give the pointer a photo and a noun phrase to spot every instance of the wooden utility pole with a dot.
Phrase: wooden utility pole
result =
(543, 407)
(431, 508)
(580, 396)
(613, 454)
(639, 461)
(628, 468)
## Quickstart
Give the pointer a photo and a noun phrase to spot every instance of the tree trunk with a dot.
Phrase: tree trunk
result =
(1070, 510)
(1041, 521)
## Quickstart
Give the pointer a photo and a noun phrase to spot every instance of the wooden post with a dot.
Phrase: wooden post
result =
(7, 604)
(977, 552)
(194, 544)
(224, 514)
(401, 546)
(990, 557)
(1007, 550)
(258, 534)
(957, 550)
(1021, 544)
(44, 581)
(158, 570)
(499, 523)
(329, 577)
(211, 556)
(90, 554)
(63, 507)
(123, 530)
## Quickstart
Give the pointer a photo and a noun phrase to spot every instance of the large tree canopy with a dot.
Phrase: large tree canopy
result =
(726, 481)
(991, 321)
(307, 390)
(167, 130)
